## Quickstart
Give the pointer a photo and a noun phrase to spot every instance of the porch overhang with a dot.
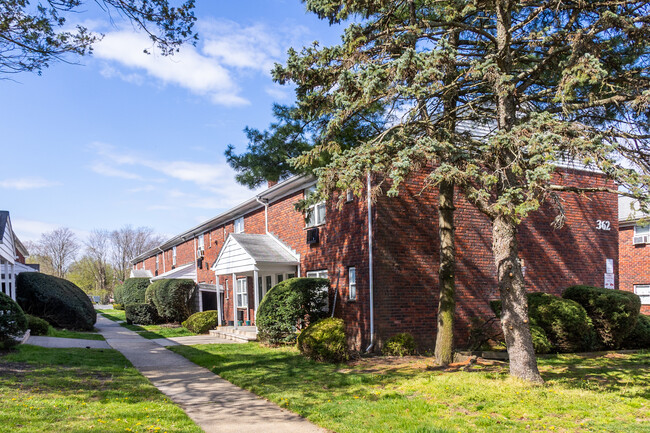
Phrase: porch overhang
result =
(245, 253)
(184, 272)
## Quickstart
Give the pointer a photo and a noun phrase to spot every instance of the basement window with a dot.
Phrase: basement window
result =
(643, 291)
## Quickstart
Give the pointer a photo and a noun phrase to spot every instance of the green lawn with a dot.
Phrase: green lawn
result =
(604, 393)
(148, 331)
(81, 390)
(64, 333)
(113, 315)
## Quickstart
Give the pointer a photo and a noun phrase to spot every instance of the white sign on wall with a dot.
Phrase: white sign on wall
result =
(609, 265)
(609, 281)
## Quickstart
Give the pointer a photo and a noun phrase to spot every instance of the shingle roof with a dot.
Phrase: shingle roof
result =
(263, 248)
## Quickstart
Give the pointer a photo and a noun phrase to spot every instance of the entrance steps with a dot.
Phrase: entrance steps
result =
(241, 334)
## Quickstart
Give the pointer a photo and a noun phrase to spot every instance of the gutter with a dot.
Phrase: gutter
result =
(370, 271)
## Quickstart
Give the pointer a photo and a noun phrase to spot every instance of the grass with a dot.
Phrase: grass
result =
(149, 332)
(81, 390)
(608, 392)
(64, 333)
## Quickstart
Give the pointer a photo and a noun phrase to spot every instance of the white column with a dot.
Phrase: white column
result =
(12, 281)
(3, 274)
(234, 300)
(257, 295)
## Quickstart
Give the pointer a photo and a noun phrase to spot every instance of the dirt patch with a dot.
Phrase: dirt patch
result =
(15, 369)
(386, 364)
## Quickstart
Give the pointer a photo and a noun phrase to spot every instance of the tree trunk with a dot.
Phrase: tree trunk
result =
(444, 351)
(514, 316)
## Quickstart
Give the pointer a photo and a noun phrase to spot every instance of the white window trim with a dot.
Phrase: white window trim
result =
(320, 273)
(352, 283)
(157, 262)
(174, 255)
(239, 225)
(645, 288)
(316, 214)
(201, 241)
(243, 292)
(641, 230)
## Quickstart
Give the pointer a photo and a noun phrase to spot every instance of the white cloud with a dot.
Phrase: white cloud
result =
(24, 183)
(31, 230)
(106, 170)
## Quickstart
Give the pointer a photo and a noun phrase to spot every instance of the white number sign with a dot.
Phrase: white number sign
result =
(602, 225)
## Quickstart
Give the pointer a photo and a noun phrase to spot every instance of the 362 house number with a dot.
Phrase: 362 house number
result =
(602, 225)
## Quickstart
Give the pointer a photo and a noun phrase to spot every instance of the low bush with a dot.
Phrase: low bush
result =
(540, 340)
(565, 322)
(639, 338)
(118, 306)
(402, 344)
(13, 322)
(324, 340)
(290, 306)
(172, 299)
(141, 314)
(133, 291)
(202, 322)
(60, 302)
(613, 312)
(36, 325)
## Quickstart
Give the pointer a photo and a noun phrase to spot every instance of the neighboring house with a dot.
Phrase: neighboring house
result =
(634, 250)
(236, 257)
(12, 256)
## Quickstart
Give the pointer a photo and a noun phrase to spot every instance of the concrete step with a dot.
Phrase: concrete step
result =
(233, 334)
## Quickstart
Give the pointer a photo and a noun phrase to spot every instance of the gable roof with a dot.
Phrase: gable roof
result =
(244, 252)
(4, 217)
(140, 273)
(187, 271)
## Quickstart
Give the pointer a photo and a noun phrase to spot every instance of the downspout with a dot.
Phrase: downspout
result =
(370, 273)
(266, 212)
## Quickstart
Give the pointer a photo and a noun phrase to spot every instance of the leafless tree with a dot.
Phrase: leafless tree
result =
(98, 247)
(129, 242)
(57, 250)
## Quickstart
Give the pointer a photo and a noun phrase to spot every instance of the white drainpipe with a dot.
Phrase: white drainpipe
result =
(370, 274)
(266, 212)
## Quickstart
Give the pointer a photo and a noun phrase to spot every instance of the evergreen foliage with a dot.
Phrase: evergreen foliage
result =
(141, 314)
(133, 291)
(118, 292)
(13, 322)
(540, 340)
(56, 300)
(172, 299)
(613, 312)
(402, 344)
(290, 306)
(36, 325)
(202, 322)
(324, 340)
(639, 338)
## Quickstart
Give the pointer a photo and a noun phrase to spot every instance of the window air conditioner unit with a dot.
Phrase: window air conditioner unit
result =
(200, 252)
(641, 239)
(312, 236)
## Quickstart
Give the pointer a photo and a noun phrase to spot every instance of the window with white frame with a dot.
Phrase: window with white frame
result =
(317, 274)
(174, 255)
(643, 291)
(239, 225)
(315, 214)
(352, 283)
(641, 234)
(201, 242)
(156, 261)
(242, 293)
(349, 196)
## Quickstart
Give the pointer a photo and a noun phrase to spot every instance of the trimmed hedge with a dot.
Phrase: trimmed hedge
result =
(133, 291)
(401, 344)
(613, 312)
(118, 292)
(289, 306)
(172, 298)
(565, 323)
(202, 322)
(13, 321)
(60, 302)
(36, 325)
(141, 314)
(639, 338)
(540, 340)
(324, 341)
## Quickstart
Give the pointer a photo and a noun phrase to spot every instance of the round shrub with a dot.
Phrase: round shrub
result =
(639, 338)
(564, 321)
(141, 314)
(60, 302)
(36, 325)
(402, 344)
(613, 312)
(172, 298)
(289, 306)
(133, 291)
(324, 341)
(540, 340)
(118, 307)
(13, 322)
(202, 322)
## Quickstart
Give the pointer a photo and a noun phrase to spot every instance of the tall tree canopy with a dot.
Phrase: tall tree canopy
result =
(34, 35)
(532, 85)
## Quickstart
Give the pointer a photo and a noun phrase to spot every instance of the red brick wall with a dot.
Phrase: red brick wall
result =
(634, 267)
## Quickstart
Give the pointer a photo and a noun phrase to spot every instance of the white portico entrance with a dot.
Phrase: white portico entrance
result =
(255, 263)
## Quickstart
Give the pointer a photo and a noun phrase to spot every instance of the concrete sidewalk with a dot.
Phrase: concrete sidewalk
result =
(213, 403)
(190, 341)
(64, 343)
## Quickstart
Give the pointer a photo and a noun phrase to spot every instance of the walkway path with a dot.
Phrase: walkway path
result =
(213, 403)
(64, 343)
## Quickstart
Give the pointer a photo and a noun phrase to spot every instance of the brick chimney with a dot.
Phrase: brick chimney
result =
(271, 183)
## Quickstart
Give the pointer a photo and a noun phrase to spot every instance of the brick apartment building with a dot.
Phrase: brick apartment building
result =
(243, 252)
(634, 252)
(12, 256)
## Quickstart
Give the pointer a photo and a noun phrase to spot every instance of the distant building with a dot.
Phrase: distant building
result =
(634, 250)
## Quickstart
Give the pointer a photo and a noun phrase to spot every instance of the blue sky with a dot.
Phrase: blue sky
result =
(126, 138)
